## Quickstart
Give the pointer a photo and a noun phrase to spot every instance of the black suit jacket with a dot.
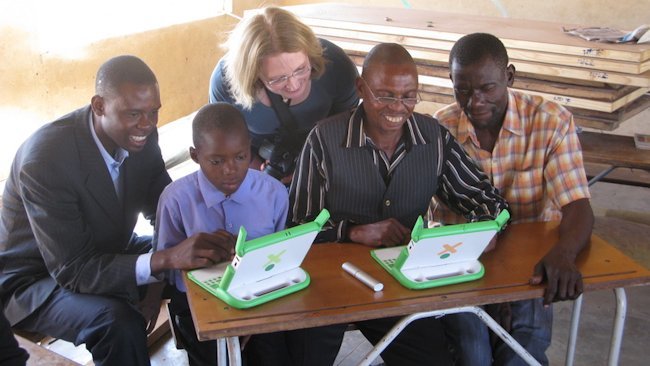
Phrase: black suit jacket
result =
(62, 223)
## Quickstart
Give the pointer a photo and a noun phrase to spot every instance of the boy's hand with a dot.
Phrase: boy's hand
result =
(197, 251)
(386, 233)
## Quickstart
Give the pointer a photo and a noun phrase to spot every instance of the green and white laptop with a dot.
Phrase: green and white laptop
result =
(442, 255)
(264, 268)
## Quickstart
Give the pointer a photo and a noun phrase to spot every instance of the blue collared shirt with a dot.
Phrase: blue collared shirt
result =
(113, 164)
(192, 205)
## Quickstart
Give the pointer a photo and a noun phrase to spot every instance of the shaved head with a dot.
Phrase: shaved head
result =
(386, 54)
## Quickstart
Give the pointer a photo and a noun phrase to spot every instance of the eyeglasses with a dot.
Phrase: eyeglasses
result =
(409, 102)
(280, 82)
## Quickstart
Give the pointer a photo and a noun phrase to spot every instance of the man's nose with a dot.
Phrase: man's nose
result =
(397, 105)
(147, 121)
(476, 98)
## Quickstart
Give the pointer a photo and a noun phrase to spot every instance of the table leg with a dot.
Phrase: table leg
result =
(222, 352)
(487, 319)
(619, 324)
(600, 175)
(573, 332)
(234, 351)
(228, 351)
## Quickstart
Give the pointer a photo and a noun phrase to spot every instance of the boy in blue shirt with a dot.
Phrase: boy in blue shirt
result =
(209, 205)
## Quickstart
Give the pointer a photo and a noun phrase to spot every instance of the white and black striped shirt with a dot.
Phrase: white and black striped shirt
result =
(341, 169)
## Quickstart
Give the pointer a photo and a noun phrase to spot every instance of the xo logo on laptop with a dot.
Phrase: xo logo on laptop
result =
(449, 250)
(273, 260)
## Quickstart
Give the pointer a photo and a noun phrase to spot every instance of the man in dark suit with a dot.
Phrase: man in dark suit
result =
(70, 265)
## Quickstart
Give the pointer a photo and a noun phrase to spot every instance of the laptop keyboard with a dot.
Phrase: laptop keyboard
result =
(390, 262)
(213, 282)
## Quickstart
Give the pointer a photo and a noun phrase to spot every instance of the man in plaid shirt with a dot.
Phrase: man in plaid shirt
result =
(530, 150)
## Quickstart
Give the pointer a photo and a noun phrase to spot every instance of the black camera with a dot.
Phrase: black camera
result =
(281, 153)
(280, 162)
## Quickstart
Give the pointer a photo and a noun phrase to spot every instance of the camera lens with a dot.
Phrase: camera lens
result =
(275, 173)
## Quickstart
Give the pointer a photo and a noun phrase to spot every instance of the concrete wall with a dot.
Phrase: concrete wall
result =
(39, 83)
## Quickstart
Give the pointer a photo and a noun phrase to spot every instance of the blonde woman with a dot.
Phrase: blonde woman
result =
(272, 54)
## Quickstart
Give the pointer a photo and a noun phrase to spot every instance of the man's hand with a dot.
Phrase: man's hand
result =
(563, 280)
(198, 251)
(386, 233)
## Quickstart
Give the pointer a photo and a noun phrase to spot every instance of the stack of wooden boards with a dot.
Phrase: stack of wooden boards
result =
(602, 84)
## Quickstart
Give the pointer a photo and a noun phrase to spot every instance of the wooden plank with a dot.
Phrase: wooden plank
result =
(418, 53)
(601, 91)
(596, 123)
(605, 93)
(591, 104)
(622, 114)
(439, 100)
(616, 150)
(441, 85)
(445, 86)
(515, 33)
(161, 328)
(42, 356)
(513, 53)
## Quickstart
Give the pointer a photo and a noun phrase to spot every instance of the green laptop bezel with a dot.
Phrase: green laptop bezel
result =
(226, 297)
(242, 247)
(419, 232)
(414, 285)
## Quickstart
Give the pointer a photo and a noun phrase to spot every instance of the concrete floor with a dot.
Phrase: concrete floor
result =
(611, 202)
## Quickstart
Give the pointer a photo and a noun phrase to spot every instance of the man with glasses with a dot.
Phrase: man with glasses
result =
(375, 168)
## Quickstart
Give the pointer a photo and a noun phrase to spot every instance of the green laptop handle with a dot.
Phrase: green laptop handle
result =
(502, 218)
(242, 246)
(419, 231)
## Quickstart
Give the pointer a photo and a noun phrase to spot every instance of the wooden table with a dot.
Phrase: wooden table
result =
(614, 151)
(335, 297)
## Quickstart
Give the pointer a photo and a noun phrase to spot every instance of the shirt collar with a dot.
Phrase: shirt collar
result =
(512, 123)
(110, 161)
(356, 135)
(212, 196)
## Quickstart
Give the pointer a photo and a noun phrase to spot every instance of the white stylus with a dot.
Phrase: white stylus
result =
(362, 276)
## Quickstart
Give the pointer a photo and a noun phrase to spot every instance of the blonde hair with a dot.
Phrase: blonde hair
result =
(271, 31)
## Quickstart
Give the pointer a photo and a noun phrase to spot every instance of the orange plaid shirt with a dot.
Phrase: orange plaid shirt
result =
(536, 162)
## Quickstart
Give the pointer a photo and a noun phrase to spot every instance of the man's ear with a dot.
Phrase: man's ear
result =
(193, 154)
(359, 84)
(97, 104)
(510, 74)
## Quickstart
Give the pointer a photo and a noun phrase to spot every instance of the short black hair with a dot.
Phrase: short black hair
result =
(217, 116)
(122, 69)
(475, 47)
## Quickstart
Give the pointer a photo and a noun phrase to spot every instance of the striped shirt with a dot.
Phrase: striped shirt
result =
(536, 162)
(341, 169)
